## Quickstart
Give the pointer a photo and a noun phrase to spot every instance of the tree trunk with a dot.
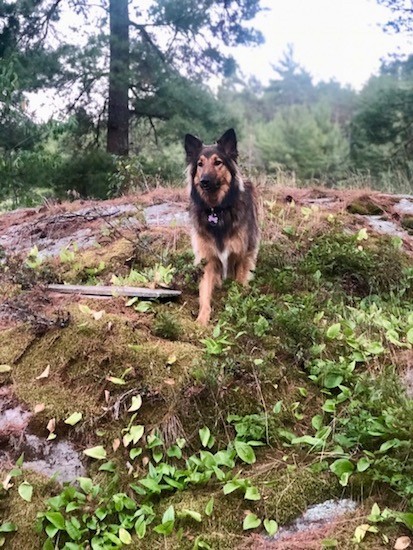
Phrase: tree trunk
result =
(118, 108)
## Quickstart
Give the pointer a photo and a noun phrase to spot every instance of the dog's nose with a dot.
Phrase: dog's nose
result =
(205, 182)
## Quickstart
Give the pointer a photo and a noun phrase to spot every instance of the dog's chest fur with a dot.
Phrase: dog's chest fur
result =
(220, 222)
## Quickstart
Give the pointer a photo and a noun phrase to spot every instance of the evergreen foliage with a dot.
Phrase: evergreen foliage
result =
(304, 140)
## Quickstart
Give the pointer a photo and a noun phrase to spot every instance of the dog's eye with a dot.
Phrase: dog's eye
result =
(200, 163)
(217, 162)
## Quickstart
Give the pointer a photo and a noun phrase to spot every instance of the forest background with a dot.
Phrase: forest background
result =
(136, 79)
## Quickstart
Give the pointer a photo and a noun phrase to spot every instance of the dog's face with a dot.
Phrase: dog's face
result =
(212, 167)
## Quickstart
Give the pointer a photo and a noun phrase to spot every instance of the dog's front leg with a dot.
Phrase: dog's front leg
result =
(210, 279)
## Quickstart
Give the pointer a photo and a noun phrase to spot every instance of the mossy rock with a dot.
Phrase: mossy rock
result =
(83, 355)
(284, 497)
(365, 206)
(407, 223)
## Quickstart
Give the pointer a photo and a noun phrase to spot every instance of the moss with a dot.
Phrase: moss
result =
(365, 206)
(14, 343)
(284, 497)
(95, 263)
(288, 494)
(407, 223)
(81, 357)
(23, 514)
(372, 266)
(167, 326)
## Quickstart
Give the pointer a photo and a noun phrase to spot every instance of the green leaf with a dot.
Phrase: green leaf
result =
(135, 452)
(230, 487)
(277, 407)
(51, 530)
(8, 527)
(362, 234)
(56, 519)
(108, 467)
(74, 418)
(116, 380)
(196, 516)
(329, 543)
(204, 435)
(199, 543)
(164, 528)
(252, 493)
(20, 460)
(125, 536)
(169, 514)
(150, 484)
(245, 452)
(26, 491)
(409, 336)
(363, 463)
(317, 421)
(308, 440)
(271, 526)
(251, 521)
(343, 468)
(174, 452)
(136, 403)
(136, 432)
(73, 531)
(361, 531)
(329, 406)
(140, 527)
(406, 518)
(86, 484)
(333, 380)
(333, 331)
(143, 307)
(99, 453)
(209, 507)
(181, 442)
(389, 445)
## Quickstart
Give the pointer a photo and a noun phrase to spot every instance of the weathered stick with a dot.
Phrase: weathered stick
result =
(100, 290)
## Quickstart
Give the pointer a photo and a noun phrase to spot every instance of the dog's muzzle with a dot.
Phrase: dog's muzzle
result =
(209, 185)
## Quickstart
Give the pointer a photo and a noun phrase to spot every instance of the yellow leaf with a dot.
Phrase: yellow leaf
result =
(98, 314)
(5, 368)
(45, 373)
(136, 403)
(51, 425)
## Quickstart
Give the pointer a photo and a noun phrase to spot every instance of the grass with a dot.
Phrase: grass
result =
(302, 369)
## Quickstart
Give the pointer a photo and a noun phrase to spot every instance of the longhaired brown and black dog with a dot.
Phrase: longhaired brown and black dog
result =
(224, 216)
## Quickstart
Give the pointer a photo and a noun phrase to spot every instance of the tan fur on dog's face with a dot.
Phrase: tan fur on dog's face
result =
(213, 168)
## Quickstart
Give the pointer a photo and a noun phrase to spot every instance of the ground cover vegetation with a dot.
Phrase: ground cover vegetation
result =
(297, 392)
(195, 438)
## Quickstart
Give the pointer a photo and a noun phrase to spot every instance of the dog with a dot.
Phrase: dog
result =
(223, 211)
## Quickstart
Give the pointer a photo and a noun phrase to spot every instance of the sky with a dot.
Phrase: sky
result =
(339, 39)
(332, 39)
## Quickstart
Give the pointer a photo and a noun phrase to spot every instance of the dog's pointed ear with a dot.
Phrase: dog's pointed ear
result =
(228, 142)
(193, 146)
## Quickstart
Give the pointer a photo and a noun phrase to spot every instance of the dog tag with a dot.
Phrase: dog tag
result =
(213, 218)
